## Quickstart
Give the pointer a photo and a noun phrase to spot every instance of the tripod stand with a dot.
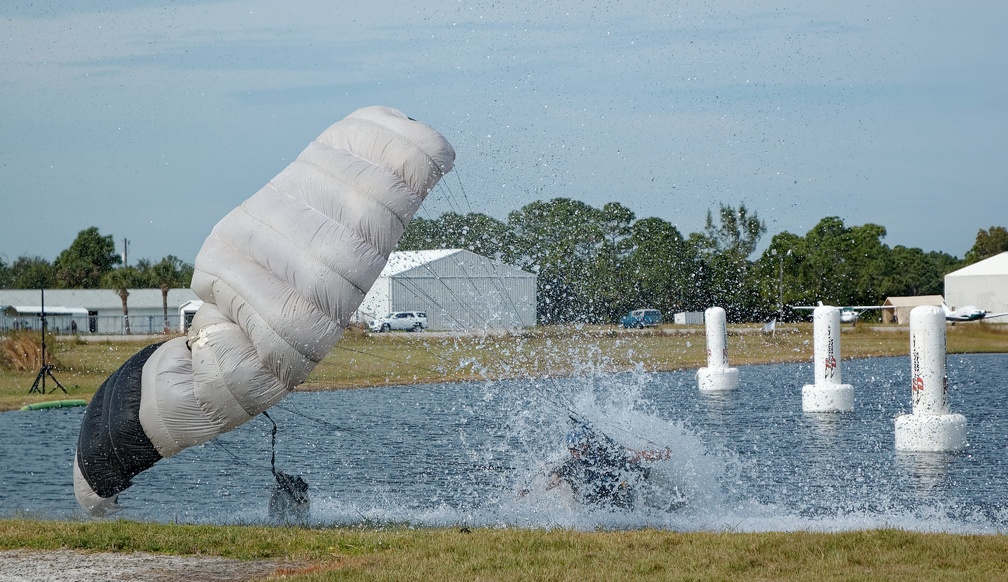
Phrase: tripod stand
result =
(46, 369)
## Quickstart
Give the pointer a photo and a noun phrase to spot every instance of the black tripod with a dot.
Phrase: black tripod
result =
(46, 369)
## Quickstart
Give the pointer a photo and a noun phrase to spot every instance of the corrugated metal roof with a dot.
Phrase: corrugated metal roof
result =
(401, 261)
(996, 265)
(18, 310)
(914, 301)
(448, 262)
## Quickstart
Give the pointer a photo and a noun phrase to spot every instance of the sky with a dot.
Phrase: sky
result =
(152, 120)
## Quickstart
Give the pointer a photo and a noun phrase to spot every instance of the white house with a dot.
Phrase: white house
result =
(983, 284)
(92, 310)
(458, 289)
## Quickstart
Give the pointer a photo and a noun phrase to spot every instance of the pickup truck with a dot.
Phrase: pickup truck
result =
(402, 320)
(640, 318)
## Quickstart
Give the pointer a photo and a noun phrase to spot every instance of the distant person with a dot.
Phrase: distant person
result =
(601, 472)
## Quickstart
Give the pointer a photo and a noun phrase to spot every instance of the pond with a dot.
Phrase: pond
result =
(478, 454)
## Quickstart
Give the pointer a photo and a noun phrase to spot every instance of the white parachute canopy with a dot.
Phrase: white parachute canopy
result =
(280, 277)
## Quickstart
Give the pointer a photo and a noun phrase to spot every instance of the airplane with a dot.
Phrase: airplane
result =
(968, 313)
(848, 313)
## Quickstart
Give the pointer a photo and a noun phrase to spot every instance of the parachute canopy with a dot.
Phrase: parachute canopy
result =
(280, 277)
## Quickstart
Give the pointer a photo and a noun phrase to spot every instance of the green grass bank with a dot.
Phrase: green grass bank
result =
(399, 553)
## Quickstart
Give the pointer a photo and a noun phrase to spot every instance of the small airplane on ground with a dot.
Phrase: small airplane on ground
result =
(968, 313)
(848, 313)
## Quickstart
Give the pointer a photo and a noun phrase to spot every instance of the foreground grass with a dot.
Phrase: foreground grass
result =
(361, 360)
(399, 553)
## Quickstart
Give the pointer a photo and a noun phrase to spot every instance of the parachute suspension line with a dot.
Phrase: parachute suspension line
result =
(272, 445)
(465, 197)
(237, 460)
(287, 407)
(557, 398)
(563, 403)
(497, 284)
(455, 207)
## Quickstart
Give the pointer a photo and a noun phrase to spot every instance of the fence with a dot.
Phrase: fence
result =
(140, 324)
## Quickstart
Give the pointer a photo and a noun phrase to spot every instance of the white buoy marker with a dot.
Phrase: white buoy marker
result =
(829, 393)
(717, 375)
(932, 427)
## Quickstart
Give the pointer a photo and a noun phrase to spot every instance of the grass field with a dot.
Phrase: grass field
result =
(443, 554)
(361, 359)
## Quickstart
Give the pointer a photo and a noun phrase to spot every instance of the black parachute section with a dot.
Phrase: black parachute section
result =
(112, 445)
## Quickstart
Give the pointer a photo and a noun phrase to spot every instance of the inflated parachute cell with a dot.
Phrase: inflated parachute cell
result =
(280, 277)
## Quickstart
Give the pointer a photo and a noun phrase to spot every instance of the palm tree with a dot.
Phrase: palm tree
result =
(168, 274)
(121, 280)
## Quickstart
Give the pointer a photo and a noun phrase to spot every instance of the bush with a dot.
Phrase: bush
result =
(21, 351)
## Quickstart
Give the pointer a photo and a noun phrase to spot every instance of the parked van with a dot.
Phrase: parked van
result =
(641, 318)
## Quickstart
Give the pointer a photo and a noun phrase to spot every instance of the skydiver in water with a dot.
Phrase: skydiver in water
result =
(601, 472)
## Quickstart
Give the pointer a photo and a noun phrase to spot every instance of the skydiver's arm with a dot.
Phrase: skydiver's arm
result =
(560, 473)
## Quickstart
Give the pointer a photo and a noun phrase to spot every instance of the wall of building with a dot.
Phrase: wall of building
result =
(988, 292)
(100, 310)
(461, 303)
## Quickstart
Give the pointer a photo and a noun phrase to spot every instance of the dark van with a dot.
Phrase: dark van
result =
(641, 318)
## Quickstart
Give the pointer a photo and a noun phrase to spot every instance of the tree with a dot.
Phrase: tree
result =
(725, 248)
(5, 276)
(89, 257)
(737, 234)
(30, 273)
(121, 280)
(840, 265)
(559, 240)
(607, 288)
(475, 232)
(660, 268)
(170, 272)
(911, 271)
(988, 243)
(776, 278)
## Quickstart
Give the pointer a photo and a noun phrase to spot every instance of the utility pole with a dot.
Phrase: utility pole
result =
(780, 285)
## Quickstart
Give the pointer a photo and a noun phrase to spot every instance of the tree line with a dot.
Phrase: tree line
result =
(595, 264)
(91, 262)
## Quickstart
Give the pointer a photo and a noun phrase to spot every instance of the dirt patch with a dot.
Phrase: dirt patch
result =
(76, 566)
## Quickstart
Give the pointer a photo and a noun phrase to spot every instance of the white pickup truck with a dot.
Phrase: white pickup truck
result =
(403, 320)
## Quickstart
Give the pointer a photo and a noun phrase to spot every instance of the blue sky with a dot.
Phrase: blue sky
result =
(152, 120)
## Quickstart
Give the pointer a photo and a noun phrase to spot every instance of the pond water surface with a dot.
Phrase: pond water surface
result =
(478, 454)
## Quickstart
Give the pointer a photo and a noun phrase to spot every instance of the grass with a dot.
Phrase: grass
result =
(80, 366)
(401, 553)
(361, 360)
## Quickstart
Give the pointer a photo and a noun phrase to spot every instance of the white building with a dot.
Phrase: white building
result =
(458, 289)
(897, 309)
(92, 310)
(983, 284)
